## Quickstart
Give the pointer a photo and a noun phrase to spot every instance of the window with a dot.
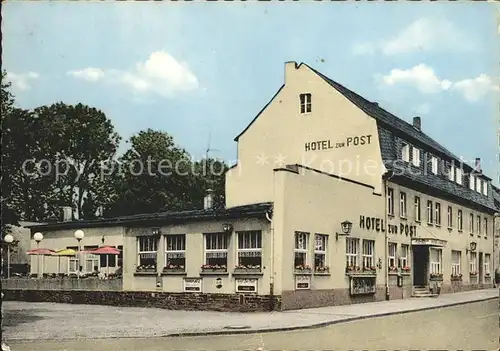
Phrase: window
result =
(175, 251)
(391, 257)
(147, 247)
(478, 184)
(472, 182)
(301, 246)
(416, 157)
(459, 176)
(487, 264)
(417, 209)
(434, 165)
(450, 217)
(471, 223)
(436, 258)
(305, 103)
(460, 221)
(429, 212)
(485, 226)
(352, 252)
(72, 261)
(451, 173)
(390, 201)
(403, 260)
(456, 258)
(473, 263)
(437, 219)
(250, 249)
(91, 260)
(368, 251)
(405, 152)
(485, 188)
(107, 261)
(216, 245)
(478, 224)
(320, 256)
(402, 205)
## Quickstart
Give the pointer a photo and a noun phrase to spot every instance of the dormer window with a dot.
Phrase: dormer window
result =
(432, 163)
(459, 175)
(478, 184)
(305, 103)
(472, 182)
(416, 157)
(405, 152)
(451, 173)
(485, 188)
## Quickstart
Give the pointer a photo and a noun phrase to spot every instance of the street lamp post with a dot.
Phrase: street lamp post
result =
(79, 235)
(9, 239)
(38, 237)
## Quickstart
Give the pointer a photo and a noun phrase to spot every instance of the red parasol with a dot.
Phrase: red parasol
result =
(106, 250)
(44, 252)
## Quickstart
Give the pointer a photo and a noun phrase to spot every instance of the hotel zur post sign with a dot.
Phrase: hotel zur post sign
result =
(379, 225)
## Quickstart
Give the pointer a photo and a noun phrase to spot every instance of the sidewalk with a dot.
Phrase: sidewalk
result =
(35, 321)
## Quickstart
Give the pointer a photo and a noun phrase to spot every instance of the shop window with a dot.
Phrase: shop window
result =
(473, 263)
(301, 246)
(487, 259)
(450, 217)
(391, 257)
(147, 249)
(107, 261)
(368, 254)
(390, 201)
(429, 212)
(471, 223)
(91, 261)
(305, 103)
(352, 252)
(403, 260)
(478, 224)
(73, 261)
(460, 221)
(175, 251)
(320, 263)
(437, 218)
(250, 249)
(402, 205)
(436, 261)
(456, 258)
(216, 248)
(417, 208)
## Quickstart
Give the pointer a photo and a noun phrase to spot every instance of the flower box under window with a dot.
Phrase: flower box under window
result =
(146, 269)
(322, 269)
(369, 270)
(393, 270)
(436, 277)
(303, 269)
(213, 268)
(406, 269)
(353, 270)
(173, 268)
(247, 269)
(456, 277)
(473, 274)
(487, 275)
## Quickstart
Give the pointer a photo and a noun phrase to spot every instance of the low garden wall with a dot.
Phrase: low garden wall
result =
(66, 283)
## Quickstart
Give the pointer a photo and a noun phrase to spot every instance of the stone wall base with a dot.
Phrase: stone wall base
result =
(171, 301)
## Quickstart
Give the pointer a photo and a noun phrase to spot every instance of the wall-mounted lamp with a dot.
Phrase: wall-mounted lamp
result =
(472, 247)
(102, 240)
(227, 227)
(346, 227)
(379, 263)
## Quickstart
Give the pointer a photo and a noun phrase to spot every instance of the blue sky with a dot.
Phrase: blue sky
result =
(197, 68)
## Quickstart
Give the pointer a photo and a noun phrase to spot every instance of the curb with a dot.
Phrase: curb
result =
(320, 325)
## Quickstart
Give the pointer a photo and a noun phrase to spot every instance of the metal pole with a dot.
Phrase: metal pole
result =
(37, 260)
(8, 261)
(78, 260)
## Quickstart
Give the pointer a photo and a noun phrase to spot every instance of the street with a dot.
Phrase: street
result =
(473, 326)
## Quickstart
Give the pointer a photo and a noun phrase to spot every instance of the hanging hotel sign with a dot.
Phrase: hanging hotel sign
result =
(362, 285)
(246, 285)
(427, 242)
(302, 282)
(378, 225)
(327, 144)
(192, 284)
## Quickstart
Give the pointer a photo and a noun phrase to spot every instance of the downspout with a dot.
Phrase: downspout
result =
(271, 279)
(386, 239)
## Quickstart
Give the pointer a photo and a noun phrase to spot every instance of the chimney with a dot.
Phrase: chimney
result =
(375, 103)
(290, 68)
(208, 201)
(66, 213)
(477, 165)
(417, 123)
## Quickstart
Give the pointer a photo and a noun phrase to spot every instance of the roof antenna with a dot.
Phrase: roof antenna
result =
(207, 152)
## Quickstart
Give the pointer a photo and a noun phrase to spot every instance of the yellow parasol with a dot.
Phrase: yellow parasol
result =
(63, 253)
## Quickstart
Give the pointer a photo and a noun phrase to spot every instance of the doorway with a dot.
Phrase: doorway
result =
(480, 279)
(420, 256)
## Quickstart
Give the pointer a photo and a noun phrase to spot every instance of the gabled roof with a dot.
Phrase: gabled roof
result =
(257, 210)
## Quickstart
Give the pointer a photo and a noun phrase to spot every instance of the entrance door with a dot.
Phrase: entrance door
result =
(420, 256)
(480, 279)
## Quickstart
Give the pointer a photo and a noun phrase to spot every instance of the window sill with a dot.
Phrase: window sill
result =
(214, 273)
(326, 274)
(361, 274)
(406, 273)
(249, 272)
(418, 221)
(460, 231)
(173, 273)
(393, 273)
(403, 218)
(471, 234)
(430, 224)
(145, 273)
(486, 236)
(450, 229)
(304, 272)
(390, 215)
(437, 225)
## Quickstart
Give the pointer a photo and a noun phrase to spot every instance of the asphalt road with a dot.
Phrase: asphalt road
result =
(473, 326)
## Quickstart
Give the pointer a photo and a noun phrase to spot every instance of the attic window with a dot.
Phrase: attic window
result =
(305, 103)
(405, 152)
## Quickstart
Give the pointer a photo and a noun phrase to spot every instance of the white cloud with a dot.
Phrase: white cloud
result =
(160, 73)
(424, 79)
(89, 74)
(420, 76)
(424, 34)
(21, 81)
(474, 89)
